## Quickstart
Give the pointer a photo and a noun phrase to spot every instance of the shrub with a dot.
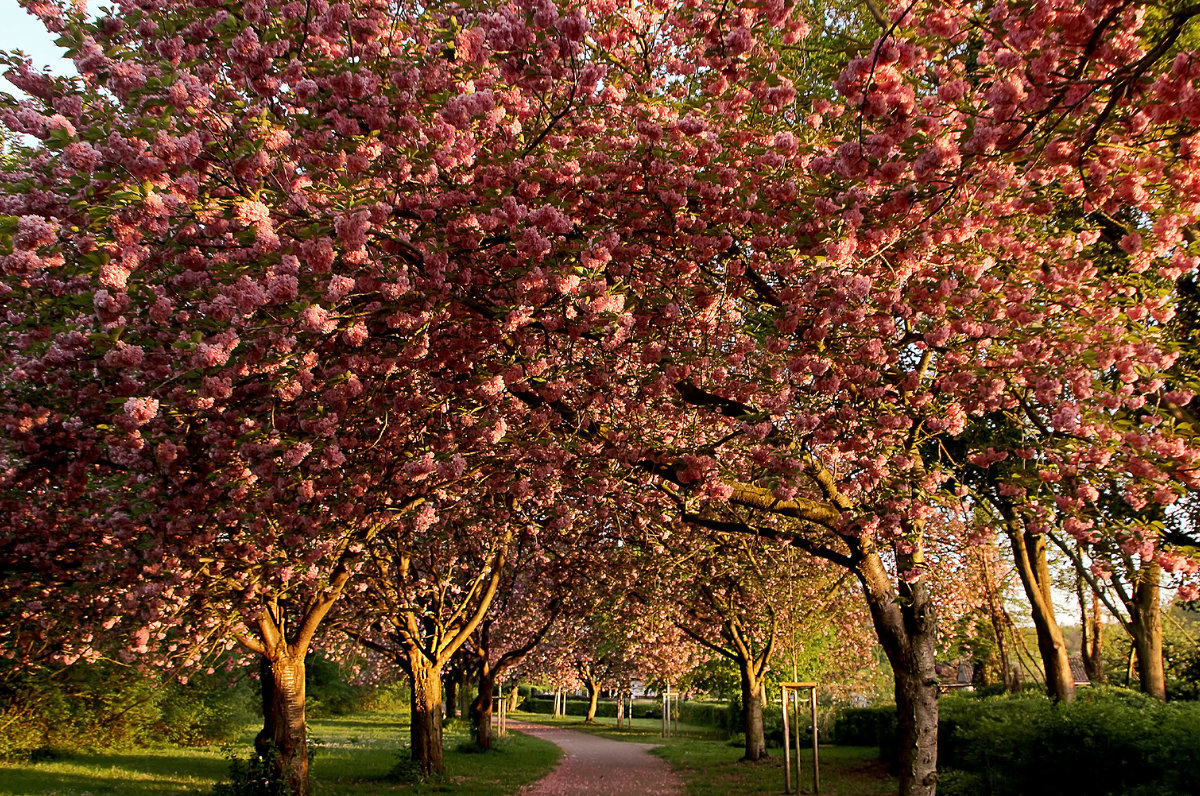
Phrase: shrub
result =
(254, 776)
(109, 706)
(1110, 741)
(870, 726)
(328, 690)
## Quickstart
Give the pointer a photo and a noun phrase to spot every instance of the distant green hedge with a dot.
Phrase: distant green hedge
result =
(1110, 742)
(869, 726)
(579, 707)
(103, 705)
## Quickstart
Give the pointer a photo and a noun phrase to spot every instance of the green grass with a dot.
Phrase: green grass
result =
(711, 766)
(714, 769)
(352, 756)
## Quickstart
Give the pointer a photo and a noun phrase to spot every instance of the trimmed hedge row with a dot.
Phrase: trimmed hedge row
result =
(1110, 742)
(579, 707)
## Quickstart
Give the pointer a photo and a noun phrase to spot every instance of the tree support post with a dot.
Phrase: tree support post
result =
(670, 712)
(791, 699)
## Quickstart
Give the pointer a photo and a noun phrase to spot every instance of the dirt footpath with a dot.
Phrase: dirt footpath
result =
(595, 766)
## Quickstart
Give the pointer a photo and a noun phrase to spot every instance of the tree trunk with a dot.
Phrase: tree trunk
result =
(1093, 635)
(593, 689)
(752, 715)
(906, 624)
(1147, 630)
(1030, 552)
(481, 708)
(284, 737)
(426, 730)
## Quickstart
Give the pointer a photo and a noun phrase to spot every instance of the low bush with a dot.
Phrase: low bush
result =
(1109, 742)
(708, 714)
(604, 708)
(254, 776)
(868, 726)
(104, 705)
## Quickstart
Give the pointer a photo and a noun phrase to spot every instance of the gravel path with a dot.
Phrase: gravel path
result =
(595, 766)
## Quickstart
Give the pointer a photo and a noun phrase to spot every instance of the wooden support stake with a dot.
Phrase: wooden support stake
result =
(791, 697)
(816, 756)
(787, 747)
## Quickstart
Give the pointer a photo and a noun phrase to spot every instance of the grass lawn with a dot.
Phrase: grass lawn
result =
(712, 767)
(352, 755)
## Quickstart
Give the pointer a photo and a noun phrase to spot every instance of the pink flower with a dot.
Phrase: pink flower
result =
(283, 288)
(317, 319)
(356, 334)
(141, 410)
(166, 452)
(496, 432)
(739, 40)
(338, 288)
(34, 232)
(352, 228)
(425, 519)
(124, 356)
(253, 213)
(289, 390)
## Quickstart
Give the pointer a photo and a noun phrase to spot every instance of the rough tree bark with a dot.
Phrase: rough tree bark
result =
(426, 732)
(1029, 550)
(281, 646)
(284, 736)
(752, 714)
(1147, 630)
(906, 624)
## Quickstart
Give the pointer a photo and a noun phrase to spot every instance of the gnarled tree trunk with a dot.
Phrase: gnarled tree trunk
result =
(906, 625)
(481, 708)
(284, 736)
(752, 711)
(593, 689)
(1030, 552)
(426, 716)
(1147, 631)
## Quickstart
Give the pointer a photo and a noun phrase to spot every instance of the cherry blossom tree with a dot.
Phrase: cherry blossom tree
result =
(300, 263)
(802, 320)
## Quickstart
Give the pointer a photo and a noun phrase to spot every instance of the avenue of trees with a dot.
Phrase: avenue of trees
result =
(598, 337)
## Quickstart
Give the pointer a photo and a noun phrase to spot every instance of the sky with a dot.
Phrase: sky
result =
(20, 31)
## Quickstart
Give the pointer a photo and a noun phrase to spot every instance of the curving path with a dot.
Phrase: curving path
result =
(595, 766)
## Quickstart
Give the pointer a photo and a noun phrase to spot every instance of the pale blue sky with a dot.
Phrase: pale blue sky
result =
(20, 31)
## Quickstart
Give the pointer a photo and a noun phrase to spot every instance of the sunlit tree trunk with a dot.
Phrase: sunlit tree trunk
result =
(284, 736)
(426, 716)
(752, 711)
(1147, 630)
(906, 624)
(593, 689)
(1029, 550)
